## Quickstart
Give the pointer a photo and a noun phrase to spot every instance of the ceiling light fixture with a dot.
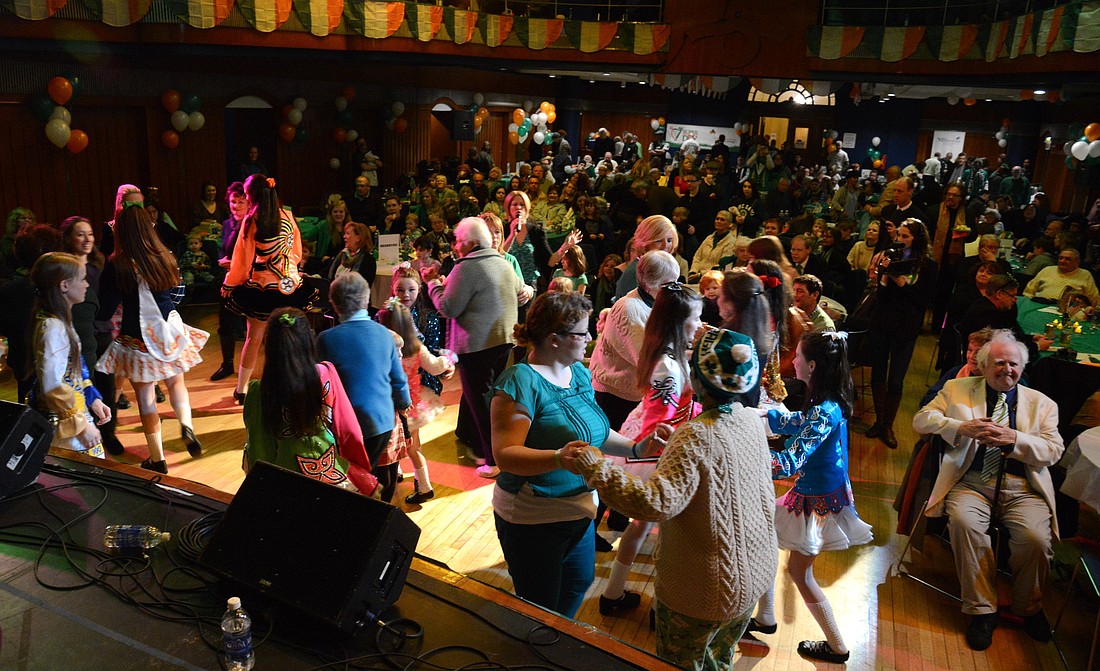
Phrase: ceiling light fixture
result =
(1039, 92)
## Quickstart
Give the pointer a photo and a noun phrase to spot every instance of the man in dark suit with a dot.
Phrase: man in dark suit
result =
(805, 261)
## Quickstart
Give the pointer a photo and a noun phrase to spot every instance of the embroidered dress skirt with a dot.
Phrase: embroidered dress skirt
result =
(803, 529)
(130, 358)
(427, 407)
(256, 303)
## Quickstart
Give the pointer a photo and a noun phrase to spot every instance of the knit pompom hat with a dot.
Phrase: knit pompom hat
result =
(725, 363)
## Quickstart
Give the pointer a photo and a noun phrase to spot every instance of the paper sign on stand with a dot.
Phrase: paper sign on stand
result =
(389, 249)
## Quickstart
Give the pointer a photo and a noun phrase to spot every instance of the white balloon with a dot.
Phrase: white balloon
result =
(180, 120)
(654, 124)
(341, 103)
(477, 131)
(299, 104)
(294, 116)
(334, 163)
(1067, 147)
(398, 108)
(195, 120)
(1094, 149)
(523, 137)
(538, 137)
(61, 112)
(479, 99)
(389, 122)
(1000, 135)
(876, 141)
(57, 131)
(952, 100)
(737, 126)
(1080, 150)
(513, 128)
(352, 136)
(1002, 142)
(834, 134)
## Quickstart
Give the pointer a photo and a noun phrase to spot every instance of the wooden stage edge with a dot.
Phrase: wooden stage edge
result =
(587, 634)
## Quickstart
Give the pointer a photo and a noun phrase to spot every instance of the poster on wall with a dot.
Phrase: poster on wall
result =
(706, 136)
(848, 141)
(948, 141)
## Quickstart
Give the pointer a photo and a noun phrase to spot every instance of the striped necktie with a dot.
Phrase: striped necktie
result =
(991, 465)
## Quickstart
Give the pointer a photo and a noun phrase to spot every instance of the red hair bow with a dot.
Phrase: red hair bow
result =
(769, 282)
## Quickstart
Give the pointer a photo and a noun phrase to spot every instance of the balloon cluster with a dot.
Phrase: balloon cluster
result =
(50, 108)
(290, 129)
(878, 159)
(522, 123)
(344, 118)
(396, 122)
(481, 113)
(829, 136)
(1087, 148)
(184, 115)
(1002, 133)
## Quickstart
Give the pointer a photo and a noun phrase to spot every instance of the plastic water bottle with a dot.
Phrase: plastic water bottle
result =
(237, 637)
(133, 536)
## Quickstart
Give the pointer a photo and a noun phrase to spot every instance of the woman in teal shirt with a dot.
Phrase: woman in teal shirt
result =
(543, 512)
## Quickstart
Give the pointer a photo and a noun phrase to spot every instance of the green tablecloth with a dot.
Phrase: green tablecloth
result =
(1033, 320)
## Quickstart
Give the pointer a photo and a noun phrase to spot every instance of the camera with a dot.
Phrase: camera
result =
(899, 265)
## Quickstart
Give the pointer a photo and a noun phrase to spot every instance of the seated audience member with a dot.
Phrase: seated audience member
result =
(804, 261)
(1041, 256)
(859, 258)
(710, 286)
(988, 248)
(715, 247)
(807, 293)
(969, 368)
(1000, 438)
(996, 308)
(1049, 283)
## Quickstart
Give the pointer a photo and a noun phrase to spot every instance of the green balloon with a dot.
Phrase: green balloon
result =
(42, 107)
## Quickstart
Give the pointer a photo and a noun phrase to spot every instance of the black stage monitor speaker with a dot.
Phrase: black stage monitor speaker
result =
(27, 437)
(462, 126)
(339, 557)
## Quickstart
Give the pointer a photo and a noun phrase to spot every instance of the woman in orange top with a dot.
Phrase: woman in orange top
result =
(263, 274)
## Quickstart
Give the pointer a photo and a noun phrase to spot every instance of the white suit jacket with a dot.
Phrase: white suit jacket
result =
(1038, 443)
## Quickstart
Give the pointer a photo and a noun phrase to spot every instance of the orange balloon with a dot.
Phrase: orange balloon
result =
(287, 131)
(1092, 131)
(877, 163)
(483, 113)
(478, 121)
(339, 135)
(1006, 122)
(78, 141)
(551, 116)
(400, 125)
(60, 90)
(513, 137)
(348, 93)
(170, 100)
(970, 101)
(170, 139)
(518, 116)
(286, 110)
(545, 106)
(661, 120)
(1054, 96)
(1027, 94)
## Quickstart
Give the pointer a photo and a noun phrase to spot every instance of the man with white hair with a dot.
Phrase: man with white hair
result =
(999, 441)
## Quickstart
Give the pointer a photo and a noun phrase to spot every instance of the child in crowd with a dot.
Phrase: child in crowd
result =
(439, 234)
(561, 285)
(425, 249)
(663, 377)
(573, 267)
(410, 236)
(606, 279)
(298, 415)
(195, 264)
(426, 404)
(710, 285)
(819, 513)
(62, 390)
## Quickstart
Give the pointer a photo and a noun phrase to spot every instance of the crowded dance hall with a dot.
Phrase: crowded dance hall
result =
(501, 334)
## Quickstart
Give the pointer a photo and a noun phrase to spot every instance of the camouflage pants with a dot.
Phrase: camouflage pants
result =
(700, 645)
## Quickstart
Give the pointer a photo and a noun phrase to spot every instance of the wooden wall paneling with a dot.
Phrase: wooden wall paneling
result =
(616, 123)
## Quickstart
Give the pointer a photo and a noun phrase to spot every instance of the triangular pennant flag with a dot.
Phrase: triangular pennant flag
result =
(590, 36)
(1021, 36)
(376, 20)
(461, 24)
(34, 10)
(202, 13)
(118, 13)
(265, 15)
(424, 21)
(319, 17)
(538, 33)
(899, 43)
(644, 38)
(1085, 36)
(994, 46)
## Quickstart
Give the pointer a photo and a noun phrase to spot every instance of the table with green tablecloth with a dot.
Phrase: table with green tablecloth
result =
(1034, 317)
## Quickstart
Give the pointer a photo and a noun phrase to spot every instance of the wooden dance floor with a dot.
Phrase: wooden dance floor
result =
(888, 621)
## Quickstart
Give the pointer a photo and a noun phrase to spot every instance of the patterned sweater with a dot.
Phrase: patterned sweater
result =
(712, 493)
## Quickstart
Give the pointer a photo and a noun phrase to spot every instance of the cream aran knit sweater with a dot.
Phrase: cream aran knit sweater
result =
(713, 496)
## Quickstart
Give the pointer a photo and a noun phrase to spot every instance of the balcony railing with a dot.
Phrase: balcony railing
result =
(581, 10)
(927, 12)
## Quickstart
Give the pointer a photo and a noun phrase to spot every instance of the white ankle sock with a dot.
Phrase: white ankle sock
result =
(765, 608)
(823, 613)
(617, 581)
(423, 482)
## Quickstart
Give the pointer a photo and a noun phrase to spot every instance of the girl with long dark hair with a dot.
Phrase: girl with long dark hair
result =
(300, 418)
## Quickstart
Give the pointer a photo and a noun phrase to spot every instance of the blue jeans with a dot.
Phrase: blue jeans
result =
(552, 565)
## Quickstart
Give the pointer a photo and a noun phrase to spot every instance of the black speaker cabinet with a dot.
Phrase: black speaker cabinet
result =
(462, 126)
(339, 557)
(27, 437)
